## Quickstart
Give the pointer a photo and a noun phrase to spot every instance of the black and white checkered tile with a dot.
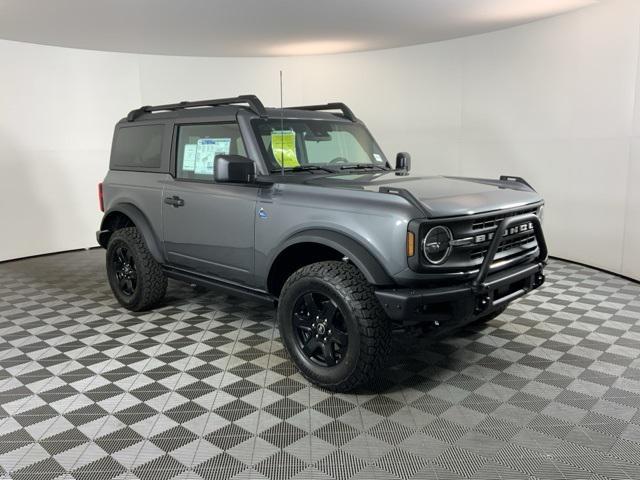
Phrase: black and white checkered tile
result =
(202, 388)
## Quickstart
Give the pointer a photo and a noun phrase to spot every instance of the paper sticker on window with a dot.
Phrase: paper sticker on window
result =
(189, 157)
(377, 157)
(206, 153)
(283, 145)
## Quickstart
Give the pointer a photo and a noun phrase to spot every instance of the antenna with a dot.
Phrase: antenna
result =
(281, 128)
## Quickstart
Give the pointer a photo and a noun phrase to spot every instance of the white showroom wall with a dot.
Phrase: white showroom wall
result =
(553, 101)
(57, 111)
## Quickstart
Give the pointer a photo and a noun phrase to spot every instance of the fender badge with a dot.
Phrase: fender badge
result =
(262, 213)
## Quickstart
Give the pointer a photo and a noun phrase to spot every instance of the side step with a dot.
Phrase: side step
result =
(214, 283)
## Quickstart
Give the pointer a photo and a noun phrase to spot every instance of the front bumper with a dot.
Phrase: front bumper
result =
(452, 306)
(457, 305)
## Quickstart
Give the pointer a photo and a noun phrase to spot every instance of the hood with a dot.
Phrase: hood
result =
(441, 196)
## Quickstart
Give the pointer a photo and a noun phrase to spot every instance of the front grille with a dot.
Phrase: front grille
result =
(476, 233)
(505, 246)
(493, 221)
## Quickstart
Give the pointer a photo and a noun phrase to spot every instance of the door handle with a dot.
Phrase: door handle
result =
(176, 201)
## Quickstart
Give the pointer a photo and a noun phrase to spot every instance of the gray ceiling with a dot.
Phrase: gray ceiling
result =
(261, 27)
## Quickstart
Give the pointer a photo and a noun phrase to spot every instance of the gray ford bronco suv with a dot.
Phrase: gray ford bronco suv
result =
(299, 206)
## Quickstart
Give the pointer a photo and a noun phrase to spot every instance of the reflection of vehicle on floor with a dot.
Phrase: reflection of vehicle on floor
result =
(300, 206)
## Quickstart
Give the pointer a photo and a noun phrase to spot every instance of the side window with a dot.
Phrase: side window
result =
(199, 144)
(138, 147)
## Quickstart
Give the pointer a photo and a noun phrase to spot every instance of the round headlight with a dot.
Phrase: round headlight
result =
(436, 245)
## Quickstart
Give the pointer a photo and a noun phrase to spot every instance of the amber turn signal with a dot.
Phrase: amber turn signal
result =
(411, 244)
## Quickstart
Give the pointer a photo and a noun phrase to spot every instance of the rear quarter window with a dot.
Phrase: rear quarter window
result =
(138, 147)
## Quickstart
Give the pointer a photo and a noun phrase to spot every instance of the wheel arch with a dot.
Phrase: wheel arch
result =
(327, 245)
(126, 215)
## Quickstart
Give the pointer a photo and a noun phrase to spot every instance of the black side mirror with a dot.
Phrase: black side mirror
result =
(403, 163)
(234, 169)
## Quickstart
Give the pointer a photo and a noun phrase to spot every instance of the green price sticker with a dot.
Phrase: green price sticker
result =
(283, 145)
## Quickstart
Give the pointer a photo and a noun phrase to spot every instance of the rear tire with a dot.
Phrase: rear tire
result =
(136, 279)
(333, 326)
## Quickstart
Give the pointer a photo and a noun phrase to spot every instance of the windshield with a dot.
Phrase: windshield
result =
(307, 144)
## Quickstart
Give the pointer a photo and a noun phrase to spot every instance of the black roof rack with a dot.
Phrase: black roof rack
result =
(346, 111)
(253, 102)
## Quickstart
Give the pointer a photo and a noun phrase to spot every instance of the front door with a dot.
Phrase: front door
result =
(208, 226)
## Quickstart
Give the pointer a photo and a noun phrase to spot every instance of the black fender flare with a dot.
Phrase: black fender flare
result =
(141, 223)
(358, 254)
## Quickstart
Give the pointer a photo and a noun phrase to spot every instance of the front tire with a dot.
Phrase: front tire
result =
(333, 326)
(136, 279)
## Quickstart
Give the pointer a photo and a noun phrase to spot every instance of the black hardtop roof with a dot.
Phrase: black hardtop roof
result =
(229, 107)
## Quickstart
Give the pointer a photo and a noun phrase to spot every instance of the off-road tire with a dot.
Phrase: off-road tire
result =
(151, 281)
(369, 329)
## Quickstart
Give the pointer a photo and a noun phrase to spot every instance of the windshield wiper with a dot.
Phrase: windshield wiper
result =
(303, 168)
(362, 166)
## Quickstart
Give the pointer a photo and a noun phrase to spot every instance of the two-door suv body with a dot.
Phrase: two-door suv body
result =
(300, 206)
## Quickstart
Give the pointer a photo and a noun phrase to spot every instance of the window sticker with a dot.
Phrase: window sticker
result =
(189, 157)
(377, 157)
(283, 145)
(207, 149)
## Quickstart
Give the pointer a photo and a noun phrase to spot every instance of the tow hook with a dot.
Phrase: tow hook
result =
(483, 303)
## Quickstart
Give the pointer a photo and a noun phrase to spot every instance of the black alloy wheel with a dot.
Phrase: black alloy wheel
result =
(125, 270)
(320, 329)
(333, 326)
(136, 279)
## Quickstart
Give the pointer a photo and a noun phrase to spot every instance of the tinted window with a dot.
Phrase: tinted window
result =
(198, 146)
(138, 147)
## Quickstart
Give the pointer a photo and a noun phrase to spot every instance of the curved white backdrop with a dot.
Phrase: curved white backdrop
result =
(552, 101)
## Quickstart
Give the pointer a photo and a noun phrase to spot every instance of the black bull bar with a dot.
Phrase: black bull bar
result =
(479, 296)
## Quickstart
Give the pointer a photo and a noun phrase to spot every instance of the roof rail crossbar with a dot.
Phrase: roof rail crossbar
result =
(346, 111)
(254, 103)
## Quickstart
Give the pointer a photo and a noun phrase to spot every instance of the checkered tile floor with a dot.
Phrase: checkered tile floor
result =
(202, 388)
